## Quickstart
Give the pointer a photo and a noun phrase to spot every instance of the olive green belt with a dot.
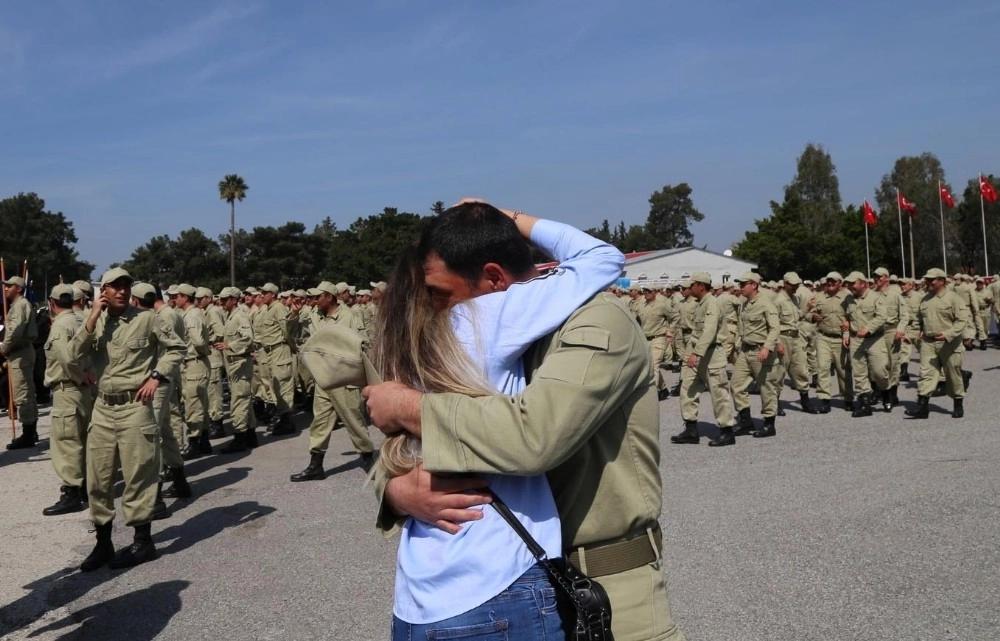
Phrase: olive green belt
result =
(620, 556)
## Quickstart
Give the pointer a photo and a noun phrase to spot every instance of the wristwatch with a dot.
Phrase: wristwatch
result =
(156, 376)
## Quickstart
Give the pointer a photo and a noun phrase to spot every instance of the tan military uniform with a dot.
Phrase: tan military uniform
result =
(125, 349)
(912, 300)
(271, 331)
(794, 361)
(237, 333)
(869, 360)
(805, 298)
(71, 401)
(831, 312)
(654, 319)
(194, 375)
(758, 329)
(946, 313)
(706, 342)
(18, 347)
(729, 305)
(897, 314)
(215, 317)
(590, 400)
(167, 400)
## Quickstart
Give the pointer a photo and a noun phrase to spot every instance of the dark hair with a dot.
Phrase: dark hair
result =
(469, 235)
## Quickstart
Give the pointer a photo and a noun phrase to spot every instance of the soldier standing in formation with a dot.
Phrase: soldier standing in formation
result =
(866, 321)
(654, 314)
(194, 375)
(236, 348)
(756, 359)
(829, 313)
(18, 347)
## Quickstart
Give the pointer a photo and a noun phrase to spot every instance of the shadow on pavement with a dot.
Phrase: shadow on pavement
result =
(48, 593)
(209, 484)
(209, 523)
(136, 616)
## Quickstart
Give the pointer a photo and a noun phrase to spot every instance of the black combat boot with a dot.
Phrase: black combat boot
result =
(141, 550)
(160, 509)
(904, 373)
(862, 406)
(258, 410)
(982, 345)
(849, 406)
(921, 410)
(204, 444)
(283, 425)
(894, 395)
(238, 444)
(966, 380)
(190, 451)
(886, 400)
(806, 403)
(103, 552)
(724, 438)
(663, 394)
(744, 424)
(367, 461)
(216, 430)
(959, 410)
(28, 437)
(251, 437)
(314, 471)
(70, 500)
(689, 436)
(179, 488)
(766, 430)
(824, 406)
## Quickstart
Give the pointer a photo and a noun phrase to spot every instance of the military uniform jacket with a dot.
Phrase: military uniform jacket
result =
(238, 334)
(126, 349)
(759, 323)
(216, 317)
(867, 312)
(653, 317)
(172, 317)
(270, 325)
(945, 313)
(708, 329)
(788, 313)
(60, 364)
(897, 313)
(20, 330)
(196, 333)
(589, 418)
(912, 300)
(730, 307)
(834, 312)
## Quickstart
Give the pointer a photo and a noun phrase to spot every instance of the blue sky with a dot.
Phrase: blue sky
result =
(125, 115)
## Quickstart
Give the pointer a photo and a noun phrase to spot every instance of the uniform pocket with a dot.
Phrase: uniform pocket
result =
(64, 425)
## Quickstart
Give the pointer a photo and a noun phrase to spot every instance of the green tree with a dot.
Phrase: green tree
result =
(190, 258)
(967, 230)
(916, 177)
(232, 188)
(438, 207)
(366, 250)
(671, 211)
(816, 186)
(44, 238)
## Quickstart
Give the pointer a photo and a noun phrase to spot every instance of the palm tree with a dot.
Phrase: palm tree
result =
(231, 189)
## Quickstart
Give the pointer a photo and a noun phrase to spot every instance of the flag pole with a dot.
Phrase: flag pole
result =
(913, 262)
(10, 381)
(944, 252)
(982, 214)
(868, 256)
(902, 251)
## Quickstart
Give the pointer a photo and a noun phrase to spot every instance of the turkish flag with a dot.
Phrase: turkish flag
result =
(870, 216)
(987, 190)
(907, 205)
(946, 197)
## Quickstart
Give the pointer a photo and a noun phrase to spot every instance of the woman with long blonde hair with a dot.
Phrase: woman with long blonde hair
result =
(459, 311)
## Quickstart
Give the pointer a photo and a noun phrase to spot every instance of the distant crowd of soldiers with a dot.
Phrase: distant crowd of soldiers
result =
(862, 330)
(142, 386)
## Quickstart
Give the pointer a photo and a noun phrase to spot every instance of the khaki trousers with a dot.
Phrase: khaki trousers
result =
(796, 362)
(657, 355)
(937, 358)
(21, 369)
(68, 438)
(344, 402)
(748, 369)
(808, 334)
(194, 391)
(893, 350)
(830, 352)
(215, 385)
(707, 377)
(869, 362)
(127, 433)
(639, 605)
(239, 370)
(166, 410)
(281, 367)
(261, 383)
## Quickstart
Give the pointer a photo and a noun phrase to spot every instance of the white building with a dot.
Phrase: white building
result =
(669, 266)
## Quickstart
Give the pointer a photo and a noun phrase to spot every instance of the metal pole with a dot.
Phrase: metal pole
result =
(902, 251)
(982, 213)
(913, 262)
(868, 255)
(944, 251)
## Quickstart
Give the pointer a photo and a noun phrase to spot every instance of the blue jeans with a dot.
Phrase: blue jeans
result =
(525, 610)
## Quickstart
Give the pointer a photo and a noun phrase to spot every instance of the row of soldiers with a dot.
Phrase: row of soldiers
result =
(862, 330)
(137, 382)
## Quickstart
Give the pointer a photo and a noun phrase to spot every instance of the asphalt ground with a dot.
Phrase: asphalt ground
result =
(838, 528)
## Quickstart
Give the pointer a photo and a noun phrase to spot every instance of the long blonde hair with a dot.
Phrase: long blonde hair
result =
(416, 345)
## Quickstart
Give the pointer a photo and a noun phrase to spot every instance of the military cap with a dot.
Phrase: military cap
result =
(980, 279)
(379, 285)
(314, 291)
(646, 287)
(855, 276)
(285, 294)
(269, 287)
(935, 272)
(144, 292)
(186, 290)
(301, 293)
(351, 289)
(253, 290)
(84, 286)
(881, 271)
(328, 287)
(702, 277)
(342, 287)
(833, 276)
(364, 292)
(77, 293)
(62, 294)
(15, 280)
(893, 278)
(686, 283)
(807, 283)
(749, 277)
(335, 358)
(792, 278)
(229, 292)
(171, 290)
(202, 292)
(771, 284)
(116, 273)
